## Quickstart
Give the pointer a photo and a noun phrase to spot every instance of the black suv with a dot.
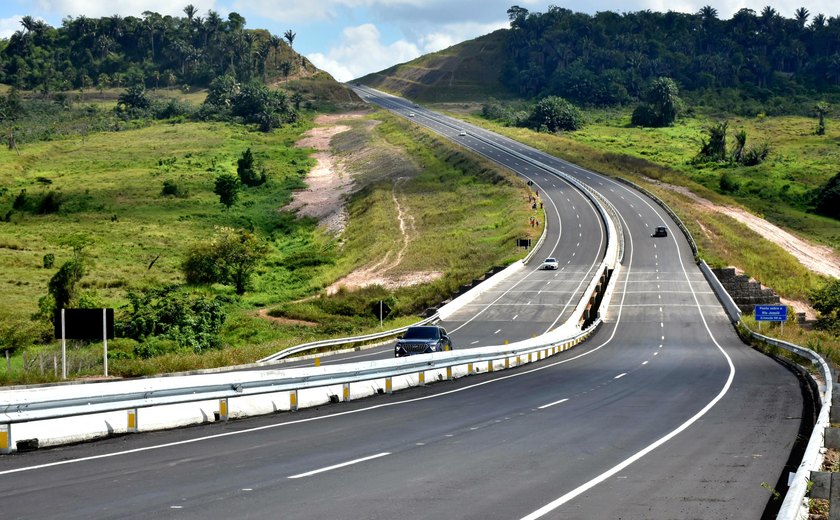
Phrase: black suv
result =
(661, 231)
(422, 340)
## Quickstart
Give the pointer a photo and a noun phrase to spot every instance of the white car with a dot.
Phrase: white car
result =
(549, 263)
(411, 114)
(462, 133)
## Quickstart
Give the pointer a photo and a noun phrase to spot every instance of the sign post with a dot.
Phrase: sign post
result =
(777, 313)
(84, 324)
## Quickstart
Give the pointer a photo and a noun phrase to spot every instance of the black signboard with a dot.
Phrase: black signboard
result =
(523, 242)
(381, 310)
(84, 323)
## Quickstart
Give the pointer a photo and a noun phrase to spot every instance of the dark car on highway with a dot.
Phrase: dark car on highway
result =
(661, 231)
(422, 340)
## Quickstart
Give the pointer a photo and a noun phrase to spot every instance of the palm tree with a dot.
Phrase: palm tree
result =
(822, 109)
(28, 24)
(801, 15)
(818, 22)
(290, 37)
(190, 11)
(275, 43)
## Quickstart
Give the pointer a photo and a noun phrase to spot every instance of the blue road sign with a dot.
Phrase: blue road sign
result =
(770, 313)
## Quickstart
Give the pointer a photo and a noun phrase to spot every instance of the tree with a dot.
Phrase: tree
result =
(555, 113)
(229, 258)
(290, 37)
(826, 301)
(713, 149)
(227, 188)
(801, 15)
(827, 199)
(247, 170)
(662, 104)
(822, 109)
(134, 99)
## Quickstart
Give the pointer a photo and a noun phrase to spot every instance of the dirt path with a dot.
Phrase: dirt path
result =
(817, 258)
(328, 183)
(378, 273)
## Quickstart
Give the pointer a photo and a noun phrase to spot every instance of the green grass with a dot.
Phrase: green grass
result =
(110, 190)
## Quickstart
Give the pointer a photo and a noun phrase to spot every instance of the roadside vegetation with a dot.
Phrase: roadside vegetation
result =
(134, 219)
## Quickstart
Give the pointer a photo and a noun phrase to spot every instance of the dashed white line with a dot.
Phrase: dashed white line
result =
(644, 363)
(552, 404)
(343, 464)
(619, 376)
(498, 331)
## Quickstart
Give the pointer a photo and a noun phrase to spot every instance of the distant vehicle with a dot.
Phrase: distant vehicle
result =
(462, 133)
(549, 263)
(422, 340)
(411, 114)
(661, 231)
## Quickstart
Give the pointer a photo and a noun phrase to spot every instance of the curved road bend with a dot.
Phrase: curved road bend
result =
(663, 414)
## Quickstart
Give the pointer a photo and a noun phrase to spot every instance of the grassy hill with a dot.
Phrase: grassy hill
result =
(470, 70)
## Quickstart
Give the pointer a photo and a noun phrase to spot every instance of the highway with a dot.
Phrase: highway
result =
(663, 414)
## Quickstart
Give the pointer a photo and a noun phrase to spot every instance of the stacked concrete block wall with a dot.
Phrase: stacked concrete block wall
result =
(745, 292)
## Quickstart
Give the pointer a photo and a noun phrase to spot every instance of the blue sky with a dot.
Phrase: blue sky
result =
(350, 38)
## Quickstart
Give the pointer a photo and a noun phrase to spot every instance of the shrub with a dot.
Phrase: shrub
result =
(173, 189)
(169, 313)
(247, 170)
(555, 113)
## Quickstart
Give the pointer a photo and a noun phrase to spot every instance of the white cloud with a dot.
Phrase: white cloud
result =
(361, 51)
(8, 26)
(100, 8)
(451, 34)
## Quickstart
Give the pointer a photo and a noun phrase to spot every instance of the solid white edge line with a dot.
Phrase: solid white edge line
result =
(551, 404)
(551, 506)
(343, 464)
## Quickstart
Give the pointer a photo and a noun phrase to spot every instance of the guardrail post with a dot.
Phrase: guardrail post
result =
(389, 386)
(449, 373)
(5, 438)
(507, 363)
(490, 366)
(826, 486)
(469, 369)
(346, 391)
(421, 377)
(293, 400)
(835, 404)
(223, 409)
(132, 420)
(529, 357)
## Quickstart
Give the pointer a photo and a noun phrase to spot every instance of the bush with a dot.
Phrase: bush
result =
(229, 258)
(173, 189)
(169, 313)
(555, 113)
(247, 170)
(728, 183)
(827, 199)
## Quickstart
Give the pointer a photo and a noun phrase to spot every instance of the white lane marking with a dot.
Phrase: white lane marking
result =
(516, 316)
(644, 363)
(656, 353)
(343, 464)
(247, 489)
(662, 324)
(583, 488)
(552, 404)
(619, 376)
(474, 342)
(498, 331)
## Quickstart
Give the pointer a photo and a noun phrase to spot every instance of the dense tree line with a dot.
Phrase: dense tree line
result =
(610, 58)
(153, 50)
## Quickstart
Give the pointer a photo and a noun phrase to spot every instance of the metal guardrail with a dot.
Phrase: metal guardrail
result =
(343, 341)
(96, 402)
(795, 505)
